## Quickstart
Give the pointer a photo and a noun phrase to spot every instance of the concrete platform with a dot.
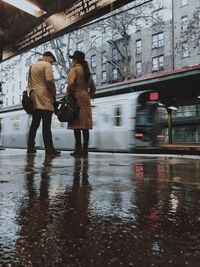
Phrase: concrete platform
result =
(175, 148)
(107, 210)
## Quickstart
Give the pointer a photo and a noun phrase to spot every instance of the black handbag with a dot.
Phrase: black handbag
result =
(68, 110)
(26, 100)
(26, 103)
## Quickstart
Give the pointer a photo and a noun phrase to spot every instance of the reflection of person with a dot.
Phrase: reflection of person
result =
(80, 83)
(42, 91)
(52, 226)
(76, 219)
(81, 166)
(33, 219)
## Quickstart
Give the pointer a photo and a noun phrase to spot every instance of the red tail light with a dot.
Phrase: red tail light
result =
(153, 96)
(139, 135)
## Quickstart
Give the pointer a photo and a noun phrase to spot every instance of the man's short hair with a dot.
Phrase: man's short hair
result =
(49, 54)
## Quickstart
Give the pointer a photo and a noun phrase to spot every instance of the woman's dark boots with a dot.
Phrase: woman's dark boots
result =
(77, 151)
(78, 146)
(85, 142)
(85, 150)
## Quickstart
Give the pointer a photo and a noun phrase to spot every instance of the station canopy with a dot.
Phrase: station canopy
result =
(23, 26)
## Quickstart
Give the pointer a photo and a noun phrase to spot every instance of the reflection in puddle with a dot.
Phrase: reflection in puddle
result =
(90, 213)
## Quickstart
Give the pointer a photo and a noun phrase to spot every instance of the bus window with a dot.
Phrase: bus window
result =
(15, 124)
(94, 116)
(117, 116)
(56, 124)
(104, 118)
(141, 118)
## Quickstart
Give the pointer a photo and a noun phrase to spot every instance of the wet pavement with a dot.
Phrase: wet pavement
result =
(107, 210)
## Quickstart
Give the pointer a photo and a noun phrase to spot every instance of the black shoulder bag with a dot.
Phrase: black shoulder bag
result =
(68, 110)
(26, 100)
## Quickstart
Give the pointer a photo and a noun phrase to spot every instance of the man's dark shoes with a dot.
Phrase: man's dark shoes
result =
(75, 154)
(53, 152)
(31, 151)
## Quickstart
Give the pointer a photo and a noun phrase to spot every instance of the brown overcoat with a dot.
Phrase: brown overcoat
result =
(41, 83)
(84, 91)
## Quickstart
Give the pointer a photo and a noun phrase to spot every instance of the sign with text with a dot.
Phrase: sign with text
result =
(80, 12)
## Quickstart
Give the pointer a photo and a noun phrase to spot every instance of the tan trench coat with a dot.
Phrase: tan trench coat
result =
(41, 83)
(83, 92)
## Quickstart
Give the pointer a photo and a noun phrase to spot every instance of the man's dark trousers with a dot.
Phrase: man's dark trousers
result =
(37, 116)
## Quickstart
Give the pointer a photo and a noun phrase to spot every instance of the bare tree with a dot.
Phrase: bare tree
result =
(116, 29)
(190, 33)
(63, 46)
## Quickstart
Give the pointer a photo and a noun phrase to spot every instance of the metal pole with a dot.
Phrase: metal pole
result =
(169, 112)
(173, 36)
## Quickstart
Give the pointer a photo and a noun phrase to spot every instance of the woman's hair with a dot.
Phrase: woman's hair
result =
(86, 70)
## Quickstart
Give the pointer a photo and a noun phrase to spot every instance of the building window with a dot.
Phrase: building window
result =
(184, 23)
(115, 54)
(94, 77)
(103, 76)
(158, 40)
(28, 61)
(198, 19)
(117, 116)
(93, 40)
(184, 2)
(158, 63)
(93, 61)
(114, 74)
(198, 46)
(13, 100)
(104, 39)
(71, 48)
(20, 85)
(157, 15)
(103, 58)
(185, 50)
(115, 35)
(138, 24)
(138, 47)
(139, 68)
(80, 46)
(126, 50)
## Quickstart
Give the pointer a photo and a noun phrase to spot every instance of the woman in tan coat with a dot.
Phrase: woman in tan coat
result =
(80, 83)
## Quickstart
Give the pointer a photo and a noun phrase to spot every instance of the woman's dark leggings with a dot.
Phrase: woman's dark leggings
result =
(77, 135)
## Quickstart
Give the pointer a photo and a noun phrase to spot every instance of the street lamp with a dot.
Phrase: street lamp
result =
(169, 107)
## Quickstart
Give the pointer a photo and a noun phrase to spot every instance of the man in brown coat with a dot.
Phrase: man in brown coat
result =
(42, 91)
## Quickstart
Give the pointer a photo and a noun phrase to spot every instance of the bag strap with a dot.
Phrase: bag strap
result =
(29, 76)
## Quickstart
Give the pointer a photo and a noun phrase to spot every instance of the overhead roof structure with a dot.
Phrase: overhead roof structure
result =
(15, 23)
(19, 30)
